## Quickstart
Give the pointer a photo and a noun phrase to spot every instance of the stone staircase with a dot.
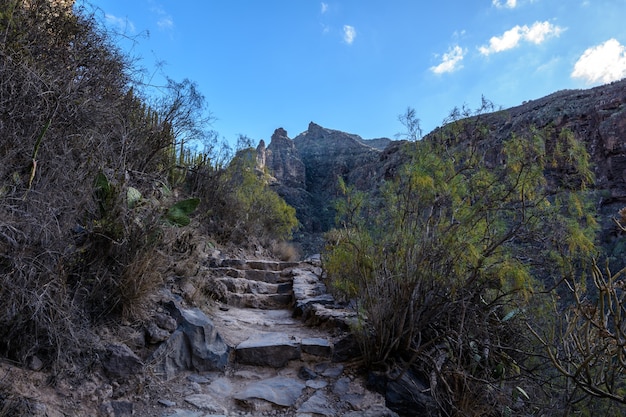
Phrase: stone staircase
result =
(290, 352)
(275, 312)
(255, 284)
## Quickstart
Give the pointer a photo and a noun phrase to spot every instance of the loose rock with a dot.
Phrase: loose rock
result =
(279, 390)
(205, 402)
(121, 362)
(319, 403)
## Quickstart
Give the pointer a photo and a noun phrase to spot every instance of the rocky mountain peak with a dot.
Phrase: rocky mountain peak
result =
(279, 134)
(336, 139)
(307, 169)
(283, 160)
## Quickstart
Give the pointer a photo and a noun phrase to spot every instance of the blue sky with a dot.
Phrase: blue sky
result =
(355, 65)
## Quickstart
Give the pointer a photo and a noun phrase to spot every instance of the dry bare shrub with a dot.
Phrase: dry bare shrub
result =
(13, 405)
(285, 251)
(139, 281)
(67, 257)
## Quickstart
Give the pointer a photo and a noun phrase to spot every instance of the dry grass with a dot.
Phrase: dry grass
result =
(286, 251)
(139, 281)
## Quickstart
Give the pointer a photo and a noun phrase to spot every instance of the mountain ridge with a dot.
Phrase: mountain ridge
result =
(318, 156)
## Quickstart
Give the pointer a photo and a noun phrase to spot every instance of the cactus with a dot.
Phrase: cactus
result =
(178, 214)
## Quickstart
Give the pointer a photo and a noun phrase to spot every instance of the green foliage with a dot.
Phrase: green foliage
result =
(243, 206)
(455, 244)
(178, 214)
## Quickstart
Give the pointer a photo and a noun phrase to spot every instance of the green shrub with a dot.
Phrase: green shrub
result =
(241, 207)
(441, 265)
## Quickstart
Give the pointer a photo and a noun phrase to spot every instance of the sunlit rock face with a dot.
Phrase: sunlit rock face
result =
(284, 162)
(596, 117)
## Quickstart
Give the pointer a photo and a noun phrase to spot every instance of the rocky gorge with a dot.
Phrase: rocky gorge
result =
(242, 334)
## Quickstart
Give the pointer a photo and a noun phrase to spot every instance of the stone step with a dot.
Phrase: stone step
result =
(260, 301)
(315, 306)
(272, 277)
(259, 265)
(243, 286)
(329, 316)
(277, 349)
(244, 293)
(271, 265)
(227, 271)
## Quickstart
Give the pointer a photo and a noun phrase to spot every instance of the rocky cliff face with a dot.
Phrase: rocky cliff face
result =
(328, 155)
(307, 167)
(596, 116)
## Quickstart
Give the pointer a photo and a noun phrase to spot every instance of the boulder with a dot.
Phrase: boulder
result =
(407, 394)
(117, 408)
(195, 345)
(120, 361)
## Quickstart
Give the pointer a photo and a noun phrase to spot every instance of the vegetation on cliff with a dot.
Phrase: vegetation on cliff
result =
(463, 255)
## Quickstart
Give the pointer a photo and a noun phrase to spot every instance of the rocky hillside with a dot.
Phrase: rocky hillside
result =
(306, 168)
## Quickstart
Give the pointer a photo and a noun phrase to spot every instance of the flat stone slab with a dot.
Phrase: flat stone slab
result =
(319, 403)
(330, 371)
(221, 387)
(279, 390)
(317, 346)
(316, 383)
(205, 402)
(185, 413)
(268, 349)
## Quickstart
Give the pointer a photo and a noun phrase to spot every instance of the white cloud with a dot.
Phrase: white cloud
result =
(509, 4)
(165, 23)
(165, 20)
(602, 63)
(540, 31)
(451, 61)
(349, 33)
(120, 24)
(537, 33)
(324, 7)
(510, 39)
